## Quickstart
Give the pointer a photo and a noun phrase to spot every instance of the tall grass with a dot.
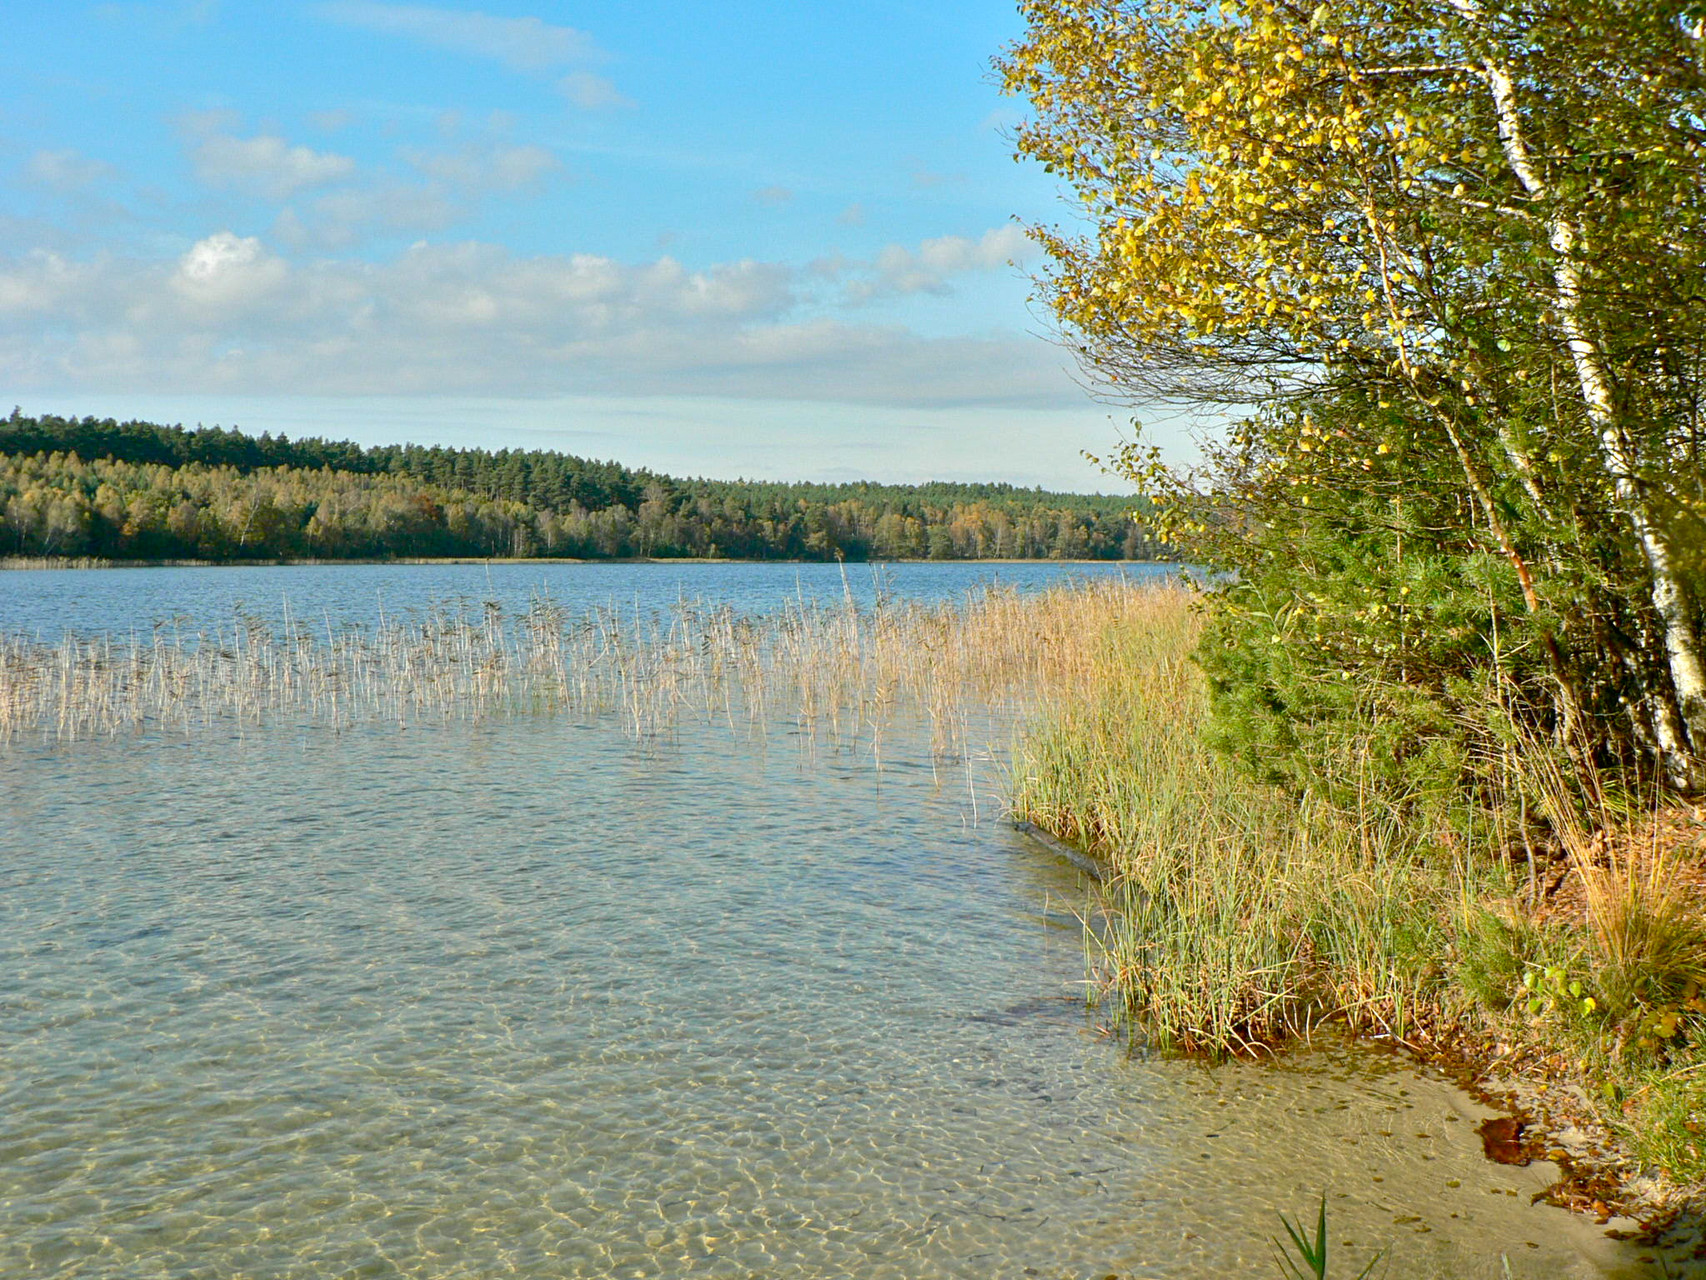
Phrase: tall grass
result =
(1626, 986)
(1237, 915)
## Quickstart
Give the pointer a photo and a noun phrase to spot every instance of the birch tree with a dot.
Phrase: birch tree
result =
(1486, 214)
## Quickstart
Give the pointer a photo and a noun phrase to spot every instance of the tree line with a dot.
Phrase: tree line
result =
(136, 490)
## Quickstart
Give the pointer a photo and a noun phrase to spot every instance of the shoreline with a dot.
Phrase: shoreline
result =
(1236, 920)
(1599, 1177)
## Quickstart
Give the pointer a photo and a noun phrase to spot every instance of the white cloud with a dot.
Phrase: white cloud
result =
(593, 92)
(230, 316)
(66, 170)
(43, 283)
(773, 195)
(523, 44)
(219, 255)
(478, 169)
(994, 248)
(452, 184)
(266, 165)
(898, 270)
(226, 271)
(527, 45)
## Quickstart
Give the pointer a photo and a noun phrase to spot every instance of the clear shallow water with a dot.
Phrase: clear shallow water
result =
(49, 603)
(522, 998)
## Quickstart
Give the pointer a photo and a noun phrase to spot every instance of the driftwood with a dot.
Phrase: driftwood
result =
(1087, 863)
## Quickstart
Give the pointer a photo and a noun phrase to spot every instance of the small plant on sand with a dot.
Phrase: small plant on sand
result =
(1311, 1260)
(1551, 990)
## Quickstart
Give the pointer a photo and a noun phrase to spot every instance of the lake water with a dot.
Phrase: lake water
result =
(528, 998)
(49, 603)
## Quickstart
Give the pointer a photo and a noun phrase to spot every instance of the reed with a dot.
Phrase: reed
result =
(836, 666)
(54, 562)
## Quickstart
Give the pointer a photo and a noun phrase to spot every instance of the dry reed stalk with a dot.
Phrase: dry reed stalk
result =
(1646, 926)
(837, 668)
(54, 562)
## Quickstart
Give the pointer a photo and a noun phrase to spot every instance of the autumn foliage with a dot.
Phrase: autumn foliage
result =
(1443, 263)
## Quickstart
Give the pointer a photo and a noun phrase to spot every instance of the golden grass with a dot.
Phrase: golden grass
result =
(1237, 916)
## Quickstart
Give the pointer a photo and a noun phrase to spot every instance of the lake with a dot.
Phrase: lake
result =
(49, 603)
(530, 996)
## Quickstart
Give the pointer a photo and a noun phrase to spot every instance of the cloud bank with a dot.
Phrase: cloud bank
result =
(232, 314)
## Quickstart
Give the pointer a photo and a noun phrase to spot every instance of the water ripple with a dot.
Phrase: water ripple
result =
(523, 1000)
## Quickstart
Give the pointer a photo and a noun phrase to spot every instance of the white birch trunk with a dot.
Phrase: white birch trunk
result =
(1684, 743)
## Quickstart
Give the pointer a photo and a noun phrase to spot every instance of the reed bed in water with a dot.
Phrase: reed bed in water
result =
(834, 665)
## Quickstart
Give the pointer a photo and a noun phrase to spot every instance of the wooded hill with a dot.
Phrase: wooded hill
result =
(139, 490)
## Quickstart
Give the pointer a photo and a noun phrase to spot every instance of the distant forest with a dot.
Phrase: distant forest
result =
(137, 490)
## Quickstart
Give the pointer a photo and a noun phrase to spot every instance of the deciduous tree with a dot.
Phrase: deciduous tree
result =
(1433, 240)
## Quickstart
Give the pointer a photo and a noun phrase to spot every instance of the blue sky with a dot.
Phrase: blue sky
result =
(730, 238)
